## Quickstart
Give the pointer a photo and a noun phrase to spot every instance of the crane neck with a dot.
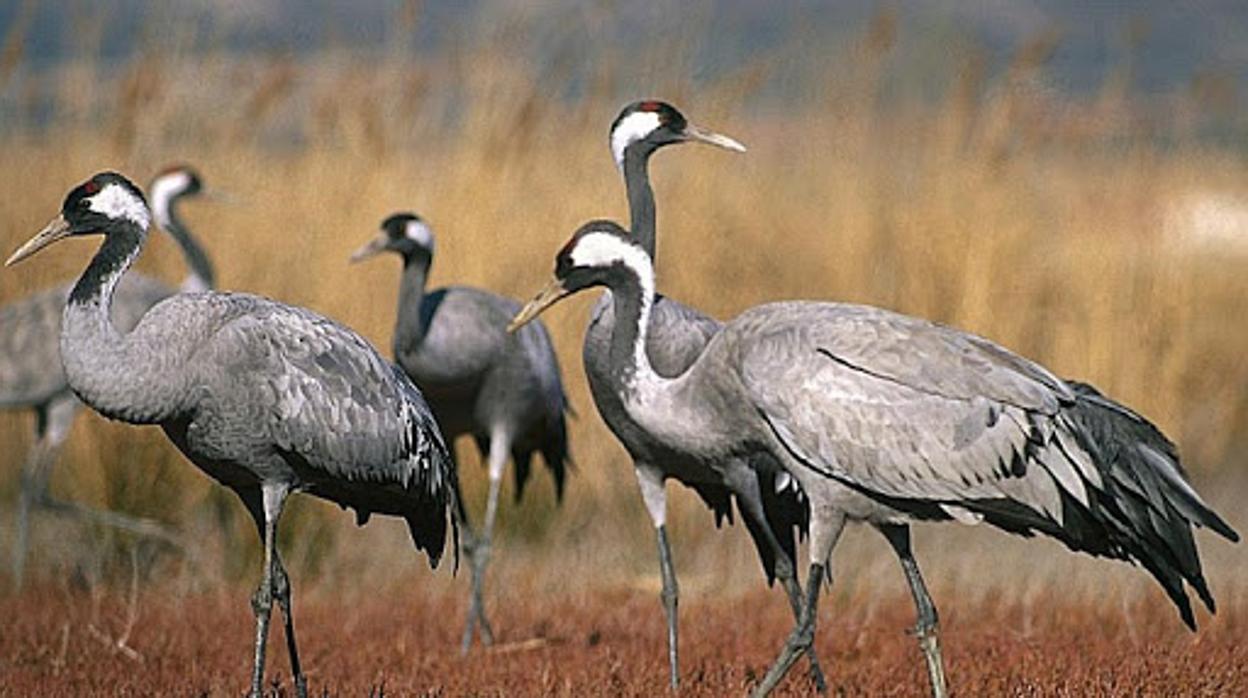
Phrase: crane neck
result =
(97, 284)
(120, 376)
(410, 328)
(202, 276)
(641, 207)
(632, 293)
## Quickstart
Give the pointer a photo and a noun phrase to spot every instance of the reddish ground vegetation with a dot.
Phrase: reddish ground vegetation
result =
(59, 642)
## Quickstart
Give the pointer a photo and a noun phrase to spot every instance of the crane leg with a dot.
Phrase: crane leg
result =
(281, 592)
(34, 478)
(749, 500)
(52, 424)
(274, 496)
(671, 599)
(928, 623)
(802, 637)
(653, 493)
(479, 547)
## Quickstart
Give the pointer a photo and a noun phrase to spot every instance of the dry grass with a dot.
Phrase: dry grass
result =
(1031, 217)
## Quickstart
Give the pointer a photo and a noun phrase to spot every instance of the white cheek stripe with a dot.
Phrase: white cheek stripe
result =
(115, 201)
(419, 233)
(598, 249)
(631, 129)
(603, 250)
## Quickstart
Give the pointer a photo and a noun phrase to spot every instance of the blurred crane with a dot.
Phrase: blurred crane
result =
(502, 388)
(267, 398)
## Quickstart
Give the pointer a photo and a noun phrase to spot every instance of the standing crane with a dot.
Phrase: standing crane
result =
(503, 389)
(770, 502)
(266, 398)
(888, 419)
(31, 376)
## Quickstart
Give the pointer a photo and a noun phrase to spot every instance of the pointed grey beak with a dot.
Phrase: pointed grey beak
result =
(369, 249)
(56, 229)
(697, 133)
(544, 299)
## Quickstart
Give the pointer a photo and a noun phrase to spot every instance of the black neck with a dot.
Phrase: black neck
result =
(631, 317)
(409, 329)
(640, 195)
(196, 259)
(121, 246)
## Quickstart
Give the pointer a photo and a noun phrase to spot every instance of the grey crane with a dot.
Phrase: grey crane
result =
(266, 398)
(503, 389)
(769, 501)
(888, 419)
(31, 376)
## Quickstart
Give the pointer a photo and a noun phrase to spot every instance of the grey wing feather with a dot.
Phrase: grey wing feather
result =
(907, 408)
(922, 355)
(332, 398)
(30, 363)
(337, 411)
(678, 335)
(540, 351)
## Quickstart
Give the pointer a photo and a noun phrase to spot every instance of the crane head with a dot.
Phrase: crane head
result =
(404, 233)
(175, 181)
(105, 203)
(600, 253)
(651, 124)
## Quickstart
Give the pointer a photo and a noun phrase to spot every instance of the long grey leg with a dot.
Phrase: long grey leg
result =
(33, 478)
(802, 637)
(650, 480)
(479, 547)
(926, 629)
(749, 500)
(281, 591)
(274, 496)
(671, 599)
(52, 424)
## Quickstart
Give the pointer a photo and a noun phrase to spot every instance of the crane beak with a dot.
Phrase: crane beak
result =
(57, 229)
(369, 249)
(548, 296)
(719, 140)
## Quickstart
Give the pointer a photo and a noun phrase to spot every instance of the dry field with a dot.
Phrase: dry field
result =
(1099, 234)
(1020, 618)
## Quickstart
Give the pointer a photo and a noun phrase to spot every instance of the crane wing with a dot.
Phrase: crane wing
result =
(909, 409)
(939, 422)
(335, 410)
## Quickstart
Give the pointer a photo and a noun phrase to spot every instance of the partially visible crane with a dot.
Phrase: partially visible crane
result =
(31, 376)
(503, 389)
(267, 398)
(770, 502)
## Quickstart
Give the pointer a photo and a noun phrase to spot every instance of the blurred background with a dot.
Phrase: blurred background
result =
(1069, 179)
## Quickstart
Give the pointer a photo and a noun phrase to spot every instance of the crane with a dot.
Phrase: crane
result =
(888, 419)
(770, 502)
(501, 388)
(266, 398)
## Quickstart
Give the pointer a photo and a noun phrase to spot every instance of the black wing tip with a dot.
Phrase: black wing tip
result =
(429, 535)
(1219, 526)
